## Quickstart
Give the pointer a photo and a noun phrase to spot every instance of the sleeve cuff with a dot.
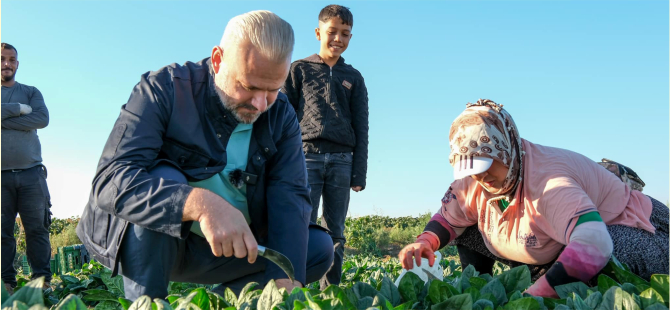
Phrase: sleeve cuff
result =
(16, 109)
(357, 180)
(430, 239)
(442, 233)
(178, 228)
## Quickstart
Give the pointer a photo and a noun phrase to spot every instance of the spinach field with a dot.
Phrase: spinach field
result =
(367, 283)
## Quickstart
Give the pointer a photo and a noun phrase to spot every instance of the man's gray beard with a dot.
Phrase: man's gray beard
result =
(226, 100)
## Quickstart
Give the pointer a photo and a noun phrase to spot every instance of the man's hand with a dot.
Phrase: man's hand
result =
(414, 252)
(223, 225)
(25, 109)
(357, 188)
(286, 283)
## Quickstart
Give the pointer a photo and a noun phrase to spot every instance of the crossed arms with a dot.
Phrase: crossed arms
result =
(30, 116)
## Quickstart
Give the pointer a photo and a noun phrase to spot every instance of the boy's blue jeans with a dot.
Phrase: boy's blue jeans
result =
(329, 177)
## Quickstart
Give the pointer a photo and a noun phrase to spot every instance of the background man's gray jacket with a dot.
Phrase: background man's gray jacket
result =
(21, 148)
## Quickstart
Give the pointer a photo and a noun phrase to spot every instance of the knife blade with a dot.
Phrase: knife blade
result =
(279, 259)
(431, 277)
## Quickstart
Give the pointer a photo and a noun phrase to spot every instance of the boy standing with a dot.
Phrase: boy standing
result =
(331, 101)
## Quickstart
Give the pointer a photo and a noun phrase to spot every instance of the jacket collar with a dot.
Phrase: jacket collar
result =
(215, 104)
(212, 90)
(315, 58)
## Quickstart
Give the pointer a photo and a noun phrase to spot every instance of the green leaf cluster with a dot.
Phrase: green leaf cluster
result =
(367, 284)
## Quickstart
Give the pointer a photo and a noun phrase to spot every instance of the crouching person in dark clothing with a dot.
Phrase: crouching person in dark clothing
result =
(204, 164)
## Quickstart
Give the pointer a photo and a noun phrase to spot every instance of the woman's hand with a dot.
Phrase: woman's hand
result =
(541, 288)
(414, 252)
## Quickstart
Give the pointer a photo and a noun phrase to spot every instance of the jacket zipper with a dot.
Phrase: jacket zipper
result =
(330, 79)
(328, 108)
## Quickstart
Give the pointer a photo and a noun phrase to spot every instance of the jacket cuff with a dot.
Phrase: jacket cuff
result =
(359, 166)
(441, 232)
(357, 178)
(178, 228)
(361, 184)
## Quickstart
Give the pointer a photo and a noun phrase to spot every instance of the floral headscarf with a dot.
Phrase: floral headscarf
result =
(485, 129)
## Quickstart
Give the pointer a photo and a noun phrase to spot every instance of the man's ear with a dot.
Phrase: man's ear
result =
(217, 58)
(318, 34)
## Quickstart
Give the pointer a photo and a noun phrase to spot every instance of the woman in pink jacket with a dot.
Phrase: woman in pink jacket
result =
(554, 210)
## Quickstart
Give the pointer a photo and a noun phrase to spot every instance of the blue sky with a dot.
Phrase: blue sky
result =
(589, 76)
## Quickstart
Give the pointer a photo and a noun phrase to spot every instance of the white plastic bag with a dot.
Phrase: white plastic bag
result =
(425, 269)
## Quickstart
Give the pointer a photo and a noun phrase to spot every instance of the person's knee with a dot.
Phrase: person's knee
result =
(140, 244)
(139, 237)
(146, 258)
(320, 249)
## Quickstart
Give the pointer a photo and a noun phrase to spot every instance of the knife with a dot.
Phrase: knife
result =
(431, 277)
(279, 259)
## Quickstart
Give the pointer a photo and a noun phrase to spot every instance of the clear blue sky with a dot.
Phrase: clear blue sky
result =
(590, 76)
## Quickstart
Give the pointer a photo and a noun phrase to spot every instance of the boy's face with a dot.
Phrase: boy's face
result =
(334, 36)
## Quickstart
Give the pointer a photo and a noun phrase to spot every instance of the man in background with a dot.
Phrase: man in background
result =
(24, 177)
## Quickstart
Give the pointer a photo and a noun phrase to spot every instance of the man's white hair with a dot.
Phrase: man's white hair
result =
(267, 32)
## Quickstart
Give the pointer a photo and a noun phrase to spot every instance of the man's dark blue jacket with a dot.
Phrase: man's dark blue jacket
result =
(175, 116)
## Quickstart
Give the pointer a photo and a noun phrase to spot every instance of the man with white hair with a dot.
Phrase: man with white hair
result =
(205, 163)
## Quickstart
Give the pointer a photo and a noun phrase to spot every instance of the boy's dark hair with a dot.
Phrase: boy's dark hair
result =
(335, 10)
(7, 45)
